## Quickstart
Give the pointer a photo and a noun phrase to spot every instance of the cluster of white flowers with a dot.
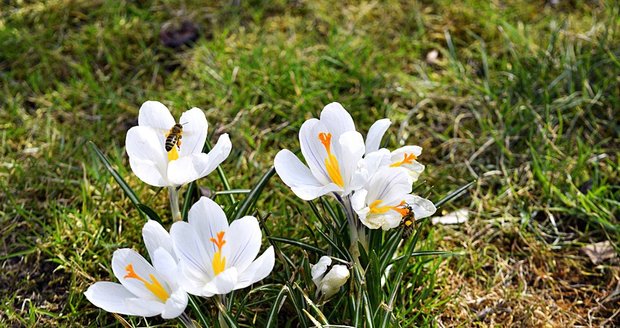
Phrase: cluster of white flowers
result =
(204, 256)
(376, 182)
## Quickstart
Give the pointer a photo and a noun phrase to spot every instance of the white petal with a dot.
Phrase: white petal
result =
(147, 155)
(190, 250)
(388, 184)
(223, 283)
(375, 134)
(397, 154)
(175, 305)
(155, 115)
(299, 178)
(421, 207)
(166, 265)
(207, 218)
(121, 259)
(258, 270)
(195, 166)
(109, 296)
(358, 199)
(352, 150)
(334, 279)
(337, 120)
(318, 270)
(313, 150)
(242, 242)
(194, 131)
(144, 308)
(155, 236)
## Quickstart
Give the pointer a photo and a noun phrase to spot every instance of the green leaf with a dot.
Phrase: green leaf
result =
(297, 243)
(251, 198)
(455, 194)
(121, 182)
(150, 213)
(272, 320)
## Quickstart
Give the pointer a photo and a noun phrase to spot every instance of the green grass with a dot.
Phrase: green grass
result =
(523, 97)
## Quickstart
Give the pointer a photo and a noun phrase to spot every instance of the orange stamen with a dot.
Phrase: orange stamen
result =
(154, 287)
(219, 262)
(331, 162)
(407, 159)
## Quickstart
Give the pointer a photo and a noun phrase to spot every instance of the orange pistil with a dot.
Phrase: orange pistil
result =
(407, 159)
(154, 286)
(219, 261)
(331, 162)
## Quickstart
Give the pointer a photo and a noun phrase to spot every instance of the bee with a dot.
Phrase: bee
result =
(173, 137)
(407, 222)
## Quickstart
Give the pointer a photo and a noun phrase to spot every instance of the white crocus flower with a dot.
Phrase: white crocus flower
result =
(329, 283)
(405, 157)
(216, 258)
(332, 149)
(144, 290)
(185, 162)
(386, 199)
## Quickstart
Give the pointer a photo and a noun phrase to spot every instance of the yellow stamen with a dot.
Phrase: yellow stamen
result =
(173, 154)
(154, 287)
(219, 261)
(375, 208)
(331, 163)
(407, 159)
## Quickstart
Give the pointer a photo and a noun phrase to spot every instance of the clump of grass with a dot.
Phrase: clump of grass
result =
(521, 96)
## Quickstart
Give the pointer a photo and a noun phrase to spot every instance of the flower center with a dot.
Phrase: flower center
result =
(154, 286)
(173, 154)
(331, 163)
(407, 159)
(219, 261)
(376, 208)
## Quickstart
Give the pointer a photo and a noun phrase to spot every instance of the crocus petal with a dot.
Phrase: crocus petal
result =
(175, 305)
(155, 115)
(313, 150)
(195, 166)
(318, 270)
(165, 264)
(121, 259)
(334, 279)
(258, 270)
(190, 250)
(155, 236)
(207, 218)
(147, 155)
(144, 308)
(421, 207)
(243, 241)
(352, 150)
(223, 283)
(375, 134)
(299, 178)
(337, 120)
(358, 200)
(109, 296)
(194, 131)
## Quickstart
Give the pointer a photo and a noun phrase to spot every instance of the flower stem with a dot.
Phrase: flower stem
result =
(187, 322)
(356, 231)
(174, 203)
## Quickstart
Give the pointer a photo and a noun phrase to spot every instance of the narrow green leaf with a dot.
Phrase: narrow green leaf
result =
(272, 320)
(297, 243)
(121, 182)
(251, 198)
(150, 213)
(196, 307)
(187, 200)
(457, 193)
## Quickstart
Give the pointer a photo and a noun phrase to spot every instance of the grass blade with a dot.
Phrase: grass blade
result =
(251, 198)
